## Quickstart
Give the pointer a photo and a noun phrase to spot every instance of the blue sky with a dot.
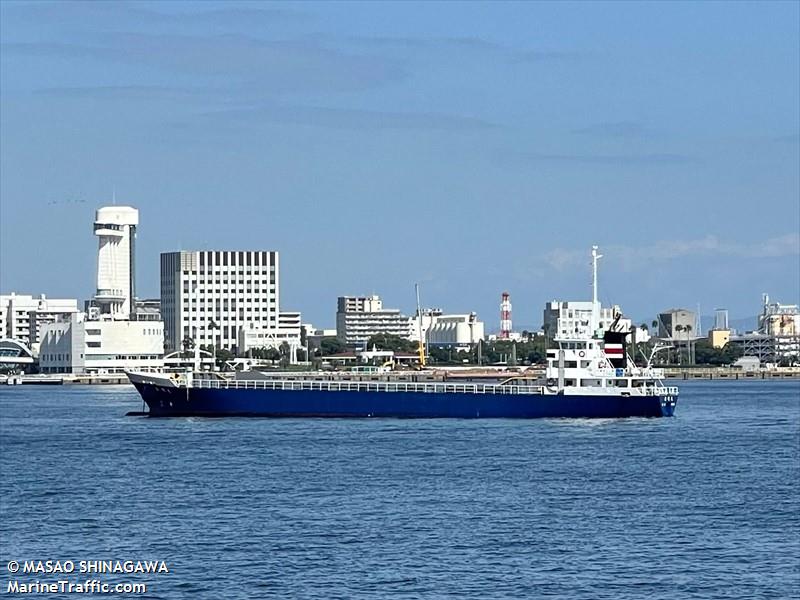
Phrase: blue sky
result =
(474, 148)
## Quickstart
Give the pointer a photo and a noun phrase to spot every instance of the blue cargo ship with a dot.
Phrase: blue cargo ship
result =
(200, 396)
(589, 375)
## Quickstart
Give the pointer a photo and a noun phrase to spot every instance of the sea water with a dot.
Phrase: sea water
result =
(702, 505)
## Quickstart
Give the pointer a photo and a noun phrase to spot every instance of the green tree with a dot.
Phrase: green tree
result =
(385, 341)
(285, 350)
(528, 352)
(331, 345)
(188, 347)
(224, 356)
(706, 354)
(440, 356)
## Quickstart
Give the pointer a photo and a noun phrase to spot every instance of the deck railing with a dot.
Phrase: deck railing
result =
(403, 386)
(661, 390)
(367, 386)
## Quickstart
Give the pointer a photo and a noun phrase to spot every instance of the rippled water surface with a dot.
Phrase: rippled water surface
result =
(704, 505)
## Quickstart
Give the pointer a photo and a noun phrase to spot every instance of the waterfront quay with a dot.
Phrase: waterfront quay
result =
(64, 379)
(440, 374)
(687, 373)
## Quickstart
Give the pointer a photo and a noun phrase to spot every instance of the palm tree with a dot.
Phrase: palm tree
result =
(688, 330)
(188, 346)
(677, 329)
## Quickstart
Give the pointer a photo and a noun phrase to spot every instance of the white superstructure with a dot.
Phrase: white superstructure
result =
(208, 296)
(115, 228)
(591, 358)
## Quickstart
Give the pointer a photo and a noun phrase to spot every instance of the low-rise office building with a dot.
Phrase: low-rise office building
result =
(73, 344)
(288, 333)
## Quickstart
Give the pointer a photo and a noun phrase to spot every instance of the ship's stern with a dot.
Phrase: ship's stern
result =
(668, 400)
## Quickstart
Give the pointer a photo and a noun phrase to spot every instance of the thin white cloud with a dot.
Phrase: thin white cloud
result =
(632, 258)
(127, 13)
(645, 159)
(271, 66)
(614, 129)
(349, 118)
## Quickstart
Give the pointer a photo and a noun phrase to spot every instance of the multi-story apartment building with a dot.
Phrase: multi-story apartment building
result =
(360, 317)
(23, 315)
(209, 296)
(575, 317)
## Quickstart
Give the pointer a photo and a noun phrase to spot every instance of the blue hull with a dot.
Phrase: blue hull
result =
(173, 402)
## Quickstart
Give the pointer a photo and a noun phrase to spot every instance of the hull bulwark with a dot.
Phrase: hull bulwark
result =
(216, 402)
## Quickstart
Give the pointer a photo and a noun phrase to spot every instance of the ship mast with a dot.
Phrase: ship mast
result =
(421, 347)
(595, 303)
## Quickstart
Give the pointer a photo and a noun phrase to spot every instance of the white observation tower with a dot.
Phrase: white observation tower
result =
(115, 227)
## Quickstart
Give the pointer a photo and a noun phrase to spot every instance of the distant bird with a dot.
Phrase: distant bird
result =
(67, 201)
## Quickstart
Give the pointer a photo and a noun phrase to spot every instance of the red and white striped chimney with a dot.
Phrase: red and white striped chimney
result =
(505, 316)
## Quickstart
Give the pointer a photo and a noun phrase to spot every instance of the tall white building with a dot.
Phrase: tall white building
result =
(22, 316)
(209, 296)
(360, 317)
(107, 339)
(115, 228)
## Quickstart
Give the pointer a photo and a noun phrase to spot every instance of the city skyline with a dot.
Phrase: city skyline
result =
(377, 147)
(707, 319)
